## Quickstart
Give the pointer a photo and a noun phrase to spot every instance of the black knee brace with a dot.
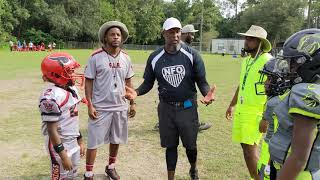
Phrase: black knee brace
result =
(192, 155)
(171, 158)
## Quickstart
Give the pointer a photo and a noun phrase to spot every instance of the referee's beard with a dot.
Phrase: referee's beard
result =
(113, 44)
(172, 47)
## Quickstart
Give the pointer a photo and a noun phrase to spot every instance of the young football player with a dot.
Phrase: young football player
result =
(58, 106)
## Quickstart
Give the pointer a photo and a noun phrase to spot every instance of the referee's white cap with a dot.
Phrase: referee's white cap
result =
(171, 23)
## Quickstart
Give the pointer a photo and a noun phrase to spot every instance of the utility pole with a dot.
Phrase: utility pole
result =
(201, 24)
(309, 13)
(236, 6)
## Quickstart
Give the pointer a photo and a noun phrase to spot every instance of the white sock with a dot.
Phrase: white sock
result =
(88, 174)
(111, 166)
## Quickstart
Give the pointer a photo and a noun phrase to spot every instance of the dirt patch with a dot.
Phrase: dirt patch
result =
(19, 93)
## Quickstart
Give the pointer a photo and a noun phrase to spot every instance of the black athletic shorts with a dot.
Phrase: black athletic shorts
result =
(175, 122)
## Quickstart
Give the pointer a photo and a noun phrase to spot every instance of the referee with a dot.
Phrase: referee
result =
(177, 68)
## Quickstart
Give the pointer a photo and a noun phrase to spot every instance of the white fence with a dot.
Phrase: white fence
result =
(227, 46)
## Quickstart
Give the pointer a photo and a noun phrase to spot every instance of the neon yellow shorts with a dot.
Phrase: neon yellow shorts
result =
(246, 128)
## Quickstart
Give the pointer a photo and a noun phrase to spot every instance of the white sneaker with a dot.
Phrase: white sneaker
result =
(88, 175)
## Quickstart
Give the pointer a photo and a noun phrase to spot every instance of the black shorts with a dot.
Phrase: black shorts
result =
(175, 122)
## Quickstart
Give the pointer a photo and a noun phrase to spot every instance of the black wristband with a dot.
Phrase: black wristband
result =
(80, 136)
(58, 148)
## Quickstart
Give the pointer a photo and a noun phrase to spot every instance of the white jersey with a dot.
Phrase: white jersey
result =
(60, 105)
(109, 74)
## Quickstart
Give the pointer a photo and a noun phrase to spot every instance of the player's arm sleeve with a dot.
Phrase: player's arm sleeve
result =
(268, 116)
(130, 72)
(200, 74)
(268, 113)
(149, 78)
(90, 70)
(50, 110)
(304, 103)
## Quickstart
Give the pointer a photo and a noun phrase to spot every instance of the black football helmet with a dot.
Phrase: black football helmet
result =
(273, 79)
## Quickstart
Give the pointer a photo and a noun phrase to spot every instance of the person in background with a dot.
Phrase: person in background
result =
(246, 105)
(11, 45)
(187, 36)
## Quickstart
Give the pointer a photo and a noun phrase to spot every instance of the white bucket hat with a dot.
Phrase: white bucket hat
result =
(259, 32)
(189, 28)
(171, 23)
(106, 26)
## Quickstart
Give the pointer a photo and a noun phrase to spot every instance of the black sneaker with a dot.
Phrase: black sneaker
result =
(194, 174)
(112, 173)
(204, 126)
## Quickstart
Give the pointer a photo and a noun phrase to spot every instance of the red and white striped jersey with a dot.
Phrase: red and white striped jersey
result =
(60, 105)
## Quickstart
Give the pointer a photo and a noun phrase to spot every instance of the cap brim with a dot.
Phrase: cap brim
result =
(166, 29)
(171, 28)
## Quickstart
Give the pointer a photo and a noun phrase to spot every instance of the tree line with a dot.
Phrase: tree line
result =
(79, 20)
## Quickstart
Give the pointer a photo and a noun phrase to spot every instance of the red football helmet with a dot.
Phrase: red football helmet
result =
(59, 68)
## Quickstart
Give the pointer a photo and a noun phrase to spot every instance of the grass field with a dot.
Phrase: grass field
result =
(22, 153)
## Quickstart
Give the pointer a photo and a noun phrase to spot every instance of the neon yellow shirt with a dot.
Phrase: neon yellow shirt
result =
(247, 97)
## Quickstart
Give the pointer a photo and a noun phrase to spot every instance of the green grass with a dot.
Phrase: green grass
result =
(23, 155)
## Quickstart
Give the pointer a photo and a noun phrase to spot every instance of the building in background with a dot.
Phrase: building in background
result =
(227, 46)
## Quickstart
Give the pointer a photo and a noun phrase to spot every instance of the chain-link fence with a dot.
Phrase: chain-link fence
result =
(80, 45)
(95, 45)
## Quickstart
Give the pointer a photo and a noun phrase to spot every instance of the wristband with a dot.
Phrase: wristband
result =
(58, 148)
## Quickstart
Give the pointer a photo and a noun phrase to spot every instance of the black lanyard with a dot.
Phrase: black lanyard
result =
(248, 67)
(112, 64)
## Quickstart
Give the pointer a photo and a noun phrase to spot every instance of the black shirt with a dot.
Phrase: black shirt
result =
(176, 74)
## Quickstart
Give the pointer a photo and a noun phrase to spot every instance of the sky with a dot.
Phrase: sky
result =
(224, 12)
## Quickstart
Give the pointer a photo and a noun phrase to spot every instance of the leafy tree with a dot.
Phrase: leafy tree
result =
(211, 14)
(279, 18)
(148, 21)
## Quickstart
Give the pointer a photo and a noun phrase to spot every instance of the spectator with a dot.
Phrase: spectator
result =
(30, 45)
(43, 47)
(24, 45)
(53, 45)
(50, 46)
(19, 45)
(11, 45)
